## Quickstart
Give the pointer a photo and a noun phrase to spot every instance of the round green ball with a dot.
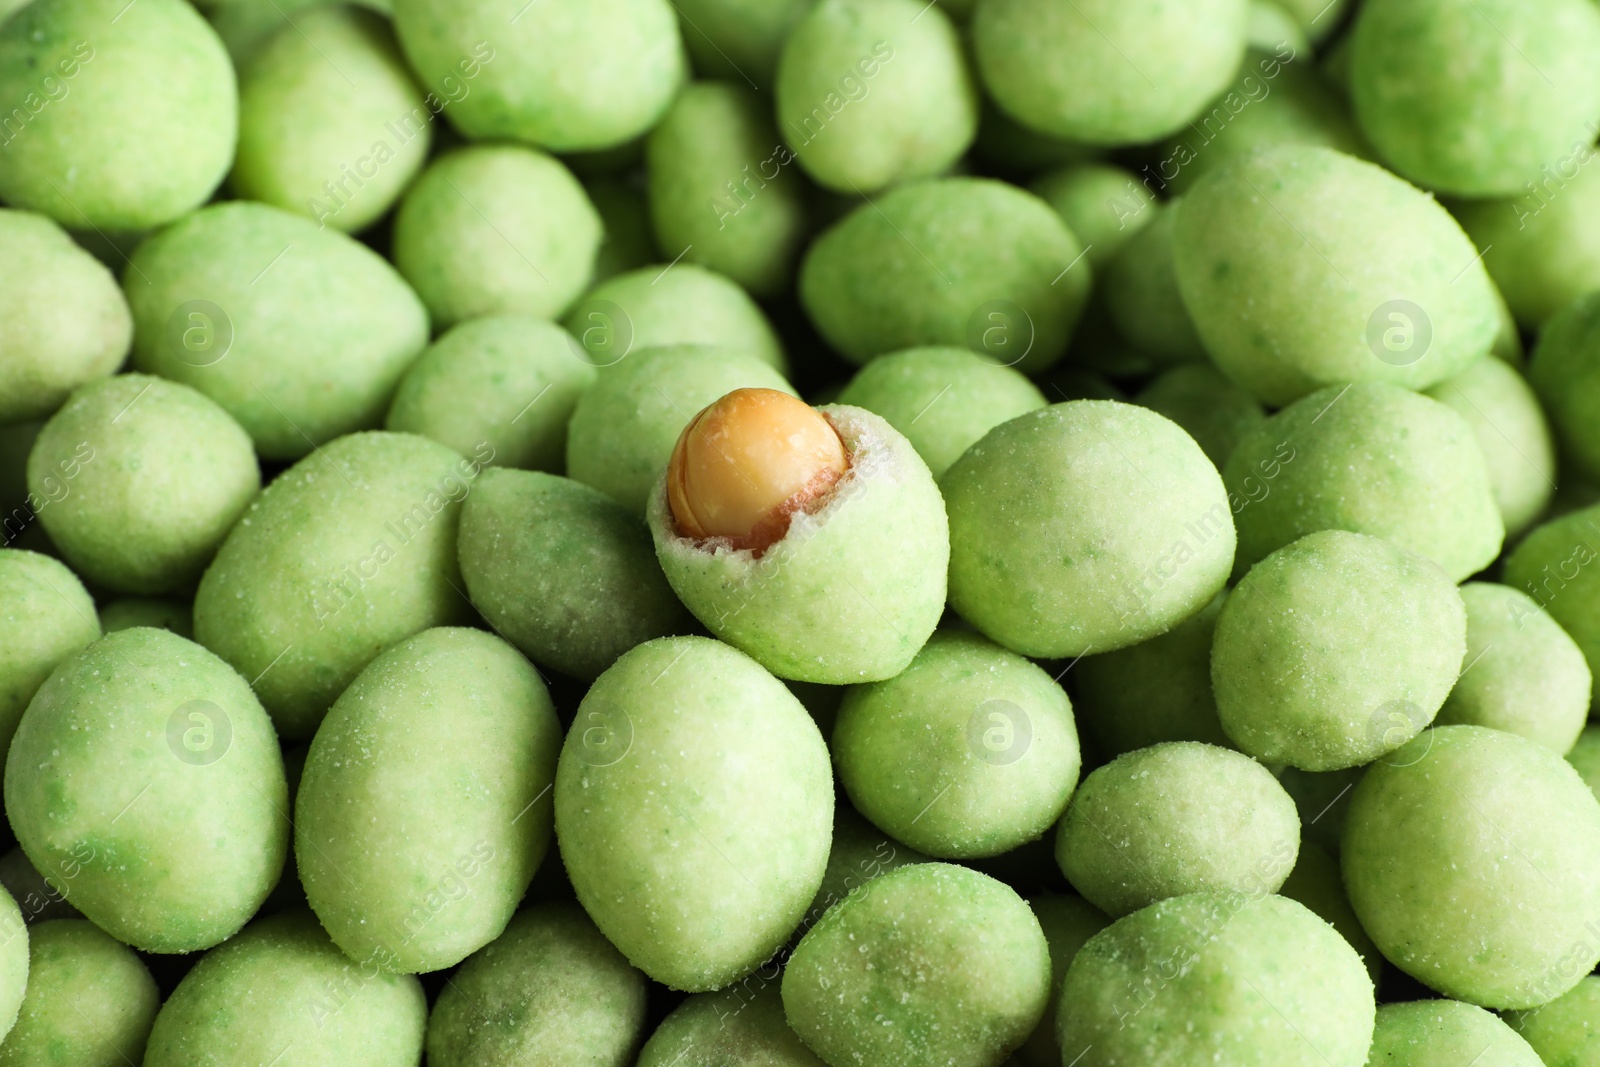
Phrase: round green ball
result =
(1141, 293)
(1104, 205)
(1214, 411)
(1446, 1033)
(731, 1027)
(1553, 566)
(1272, 26)
(1317, 883)
(1565, 373)
(1068, 923)
(128, 612)
(45, 615)
(1566, 1031)
(90, 1001)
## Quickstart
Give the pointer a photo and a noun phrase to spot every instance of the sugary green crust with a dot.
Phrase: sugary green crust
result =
(1566, 1031)
(1068, 923)
(1214, 411)
(1446, 1033)
(45, 615)
(735, 1026)
(90, 1001)
(1554, 566)
(852, 590)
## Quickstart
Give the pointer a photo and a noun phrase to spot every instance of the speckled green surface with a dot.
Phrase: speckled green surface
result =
(738, 1027)
(1214, 411)
(1068, 922)
(1317, 883)
(14, 953)
(1102, 204)
(1554, 566)
(1141, 293)
(90, 1001)
(1565, 372)
(1566, 1031)
(45, 616)
(1446, 1033)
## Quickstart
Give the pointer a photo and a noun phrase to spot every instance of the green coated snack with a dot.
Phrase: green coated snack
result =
(942, 399)
(1585, 757)
(128, 612)
(1068, 923)
(63, 321)
(1318, 17)
(496, 230)
(90, 1001)
(1271, 26)
(1302, 267)
(720, 1030)
(878, 543)
(738, 39)
(895, 274)
(550, 989)
(563, 571)
(508, 381)
(146, 776)
(45, 615)
(859, 853)
(1472, 857)
(1103, 204)
(1446, 1033)
(1552, 565)
(282, 984)
(1086, 526)
(1566, 1031)
(625, 424)
(1522, 674)
(14, 953)
(116, 119)
(346, 552)
(1176, 818)
(171, 472)
(1472, 99)
(300, 334)
(38, 897)
(983, 742)
(1214, 411)
(934, 956)
(1565, 372)
(1248, 980)
(1141, 293)
(872, 93)
(1066, 70)
(626, 242)
(1317, 883)
(687, 739)
(1335, 650)
(1373, 459)
(568, 75)
(721, 188)
(331, 122)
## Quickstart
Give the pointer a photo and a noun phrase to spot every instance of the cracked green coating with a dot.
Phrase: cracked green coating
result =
(1446, 1033)
(1566, 1031)
(45, 615)
(733, 1028)
(1211, 409)
(90, 1001)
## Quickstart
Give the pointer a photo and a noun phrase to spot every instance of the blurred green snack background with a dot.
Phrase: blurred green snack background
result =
(1140, 288)
(737, 40)
(1565, 372)
(1552, 565)
(90, 1000)
(1103, 204)
(128, 612)
(1068, 922)
(1316, 883)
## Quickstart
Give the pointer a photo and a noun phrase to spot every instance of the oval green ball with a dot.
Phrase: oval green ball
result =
(1552, 565)
(1214, 411)
(1103, 204)
(45, 615)
(1140, 290)
(1566, 1031)
(90, 1001)
(731, 1027)
(1446, 1033)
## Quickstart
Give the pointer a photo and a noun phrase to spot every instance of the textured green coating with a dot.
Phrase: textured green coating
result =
(1294, 261)
(1446, 1033)
(282, 984)
(331, 122)
(496, 230)
(116, 119)
(1214, 411)
(146, 776)
(932, 957)
(1369, 458)
(419, 822)
(1317, 883)
(1566, 1031)
(45, 616)
(562, 571)
(550, 990)
(90, 1001)
(1472, 857)
(1334, 650)
(1565, 373)
(626, 242)
(942, 399)
(872, 93)
(568, 75)
(346, 552)
(300, 334)
(1526, 677)
(128, 612)
(1585, 757)
(1246, 980)
(510, 381)
(733, 1027)
(1068, 922)
(693, 806)
(851, 591)
(63, 321)
(1101, 203)
(170, 473)
(1141, 293)
(1175, 818)
(899, 272)
(1089, 525)
(722, 187)
(625, 424)
(1109, 72)
(1471, 98)
(1554, 566)
(737, 39)
(983, 745)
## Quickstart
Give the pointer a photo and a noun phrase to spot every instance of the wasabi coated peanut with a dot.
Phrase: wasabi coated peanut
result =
(737, 39)
(1103, 204)
(1334, 650)
(348, 551)
(871, 93)
(360, 130)
(1107, 71)
(146, 776)
(1251, 980)
(1086, 526)
(510, 381)
(45, 616)
(496, 229)
(1471, 99)
(14, 954)
(418, 822)
(1554, 566)
(569, 76)
(983, 740)
(1068, 923)
(1565, 372)
(1316, 883)
(550, 989)
(1211, 409)
(941, 399)
(1369, 458)
(129, 612)
(931, 957)
(1141, 292)
(1565, 1030)
(63, 321)
(713, 1029)
(1302, 266)
(171, 472)
(1176, 818)
(721, 187)
(1472, 857)
(90, 1000)
(688, 740)
(895, 274)
(116, 120)
(563, 571)
(300, 334)
(1446, 1033)
(281, 984)
(1522, 674)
